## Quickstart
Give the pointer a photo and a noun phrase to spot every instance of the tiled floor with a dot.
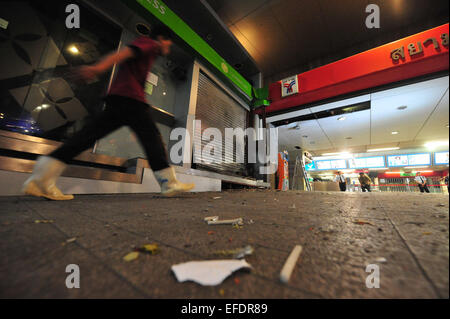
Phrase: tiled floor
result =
(409, 230)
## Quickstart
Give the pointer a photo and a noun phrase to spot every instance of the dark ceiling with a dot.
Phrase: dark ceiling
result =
(285, 37)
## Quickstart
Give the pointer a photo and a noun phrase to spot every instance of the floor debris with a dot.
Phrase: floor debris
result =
(290, 263)
(215, 221)
(209, 272)
(238, 253)
(327, 229)
(131, 256)
(381, 260)
(363, 222)
(151, 249)
(43, 221)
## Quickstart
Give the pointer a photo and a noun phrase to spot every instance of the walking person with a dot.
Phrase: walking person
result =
(445, 180)
(340, 178)
(125, 105)
(422, 182)
(365, 182)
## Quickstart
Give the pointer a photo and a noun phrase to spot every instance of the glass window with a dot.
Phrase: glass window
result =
(38, 95)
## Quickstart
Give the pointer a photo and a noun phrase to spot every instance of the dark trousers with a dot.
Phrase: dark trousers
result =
(424, 188)
(119, 111)
(343, 187)
(366, 187)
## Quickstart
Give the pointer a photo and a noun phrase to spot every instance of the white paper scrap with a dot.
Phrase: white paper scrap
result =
(208, 272)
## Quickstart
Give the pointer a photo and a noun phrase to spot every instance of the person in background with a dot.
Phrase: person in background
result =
(422, 182)
(365, 182)
(340, 178)
(445, 179)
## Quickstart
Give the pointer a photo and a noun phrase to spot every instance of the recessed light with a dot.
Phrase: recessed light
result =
(403, 107)
(341, 118)
(73, 49)
(394, 133)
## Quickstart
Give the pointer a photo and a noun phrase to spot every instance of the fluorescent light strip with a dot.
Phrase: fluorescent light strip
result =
(412, 167)
(384, 149)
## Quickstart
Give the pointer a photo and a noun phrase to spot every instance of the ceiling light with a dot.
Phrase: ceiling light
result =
(164, 93)
(394, 133)
(74, 50)
(435, 144)
(378, 169)
(342, 118)
(384, 149)
(403, 107)
(413, 167)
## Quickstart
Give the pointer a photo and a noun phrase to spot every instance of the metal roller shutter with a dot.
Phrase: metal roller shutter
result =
(215, 108)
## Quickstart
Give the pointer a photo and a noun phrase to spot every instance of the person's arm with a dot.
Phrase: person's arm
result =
(90, 72)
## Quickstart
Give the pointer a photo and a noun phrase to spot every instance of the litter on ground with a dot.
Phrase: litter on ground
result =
(238, 253)
(363, 222)
(209, 272)
(151, 249)
(43, 221)
(215, 221)
(290, 263)
(131, 256)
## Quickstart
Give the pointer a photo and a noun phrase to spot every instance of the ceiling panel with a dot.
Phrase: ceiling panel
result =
(420, 99)
(299, 34)
(263, 31)
(356, 126)
(436, 126)
(315, 138)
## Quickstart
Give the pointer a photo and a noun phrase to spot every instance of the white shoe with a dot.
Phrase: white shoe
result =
(42, 182)
(170, 186)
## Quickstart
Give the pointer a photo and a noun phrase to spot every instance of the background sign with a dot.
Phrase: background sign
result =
(367, 162)
(441, 158)
(331, 164)
(409, 160)
(289, 86)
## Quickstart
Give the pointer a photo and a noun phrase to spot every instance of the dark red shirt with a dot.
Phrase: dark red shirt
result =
(131, 76)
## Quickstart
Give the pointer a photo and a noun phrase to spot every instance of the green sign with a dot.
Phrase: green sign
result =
(403, 174)
(179, 27)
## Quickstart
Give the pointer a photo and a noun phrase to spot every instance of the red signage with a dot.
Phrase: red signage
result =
(420, 54)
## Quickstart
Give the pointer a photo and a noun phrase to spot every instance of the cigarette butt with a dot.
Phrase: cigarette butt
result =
(238, 221)
(289, 265)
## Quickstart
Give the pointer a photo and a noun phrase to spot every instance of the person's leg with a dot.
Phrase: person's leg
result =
(363, 188)
(426, 188)
(142, 123)
(421, 188)
(343, 187)
(42, 182)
